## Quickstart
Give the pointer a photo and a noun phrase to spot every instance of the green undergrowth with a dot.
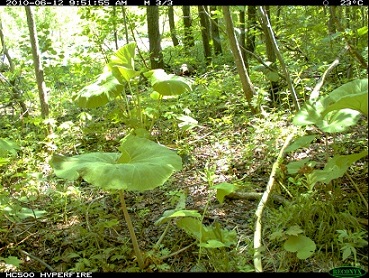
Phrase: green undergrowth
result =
(74, 226)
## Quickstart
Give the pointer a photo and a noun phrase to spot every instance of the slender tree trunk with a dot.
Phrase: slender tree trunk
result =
(247, 86)
(42, 89)
(115, 32)
(268, 41)
(125, 23)
(172, 26)
(271, 58)
(243, 36)
(156, 55)
(17, 94)
(278, 17)
(187, 22)
(205, 33)
(268, 27)
(215, 34)
(251, 29)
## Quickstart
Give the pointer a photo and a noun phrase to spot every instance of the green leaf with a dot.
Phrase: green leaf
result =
(339, 120)
(336, 167)
(122, 63)
(301, 142)
(213, 243)
(352, 95)
(346, 252)
(192, 226)
(167, 84)
(12, 261)
(155, 95)
(7, 146)
(141, 165)
(24, 212)
(187, 122)
(358, 102)
(224, 189)
(337, 111)
(301, 244)
(308, 114)
(206, 234)
(272, 76)
(105, 89)
(362, 31)
(294, 230)
(4, 161)
(277, 235)
(169, 214)
(294, 166)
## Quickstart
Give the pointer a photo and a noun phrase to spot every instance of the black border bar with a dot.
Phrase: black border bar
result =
(346, 3)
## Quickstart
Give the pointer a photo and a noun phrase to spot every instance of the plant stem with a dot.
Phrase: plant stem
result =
(262, 203)
(131, 230)
(156, 246)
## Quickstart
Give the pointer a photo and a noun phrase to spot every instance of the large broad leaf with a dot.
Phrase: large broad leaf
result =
(334, 121)
(122, 63)
(336, 167)
(337, 111)
(352, 95)
(339, 120)
(141, 165)
(99, 93)
(301, 244)
(309, 114)
(167, 84)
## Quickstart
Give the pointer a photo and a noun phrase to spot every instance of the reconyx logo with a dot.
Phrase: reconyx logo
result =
(347, 271)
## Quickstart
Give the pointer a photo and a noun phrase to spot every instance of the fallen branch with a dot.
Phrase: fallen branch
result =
(251, 196)
(261, 205)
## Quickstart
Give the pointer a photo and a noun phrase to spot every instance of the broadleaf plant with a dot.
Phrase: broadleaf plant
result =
(295, 241)
(333, 113)
(140, 165)
(337, 111)
(119, 82)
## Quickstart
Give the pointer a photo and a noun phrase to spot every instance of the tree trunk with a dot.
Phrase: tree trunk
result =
(42, 89)
(187, 22)
(267, 26)
(278, 17)
(274, 87)
(215, 33)
(205, 33)
(17, 94)
(172, 26)
(156, 55)
(251, 29)
(243, 36)
(125, 24)
(331, 25)
(247, 86)
(115, 32)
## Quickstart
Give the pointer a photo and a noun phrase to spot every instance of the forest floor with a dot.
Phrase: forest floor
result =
(84, 229)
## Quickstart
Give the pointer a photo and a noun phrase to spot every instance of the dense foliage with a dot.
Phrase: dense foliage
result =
(180, 149)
